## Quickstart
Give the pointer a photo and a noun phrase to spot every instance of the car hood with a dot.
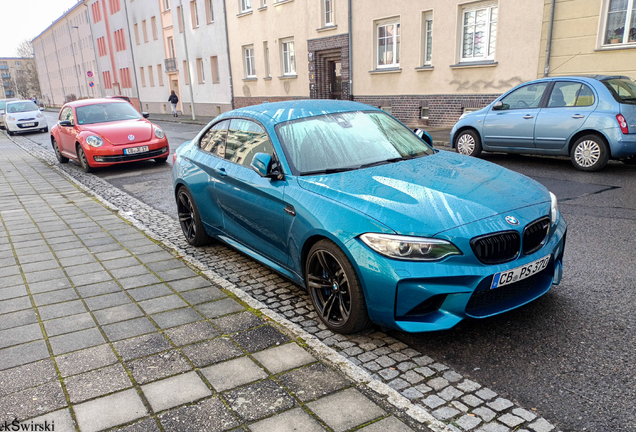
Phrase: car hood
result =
(431, 194)
(26, 115)
(119, 133)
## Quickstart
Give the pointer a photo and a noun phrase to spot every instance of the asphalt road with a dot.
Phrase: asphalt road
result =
(571, 354)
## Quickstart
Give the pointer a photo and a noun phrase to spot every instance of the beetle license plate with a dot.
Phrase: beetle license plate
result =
(136, 150)
(520, 273)
(27, 124)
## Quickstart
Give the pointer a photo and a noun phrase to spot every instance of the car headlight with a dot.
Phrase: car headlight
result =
(39, 115)
(410, 248)
(94, 141)
(554, 208)
(159, 132)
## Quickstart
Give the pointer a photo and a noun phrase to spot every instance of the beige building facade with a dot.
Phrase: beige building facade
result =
(14, 79)
(590, 37)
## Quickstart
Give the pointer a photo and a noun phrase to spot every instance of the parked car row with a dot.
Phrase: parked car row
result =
(21, 116)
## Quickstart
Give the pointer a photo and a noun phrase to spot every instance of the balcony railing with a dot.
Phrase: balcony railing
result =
(4, 67)
(171, 64)
(6, 76)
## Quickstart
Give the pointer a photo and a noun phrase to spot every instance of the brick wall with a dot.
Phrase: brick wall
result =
(444, 110)
(323, 51)
(240, 102)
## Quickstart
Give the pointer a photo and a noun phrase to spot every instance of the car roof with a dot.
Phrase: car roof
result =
(279, 112)
(85, 102)
(19, 100)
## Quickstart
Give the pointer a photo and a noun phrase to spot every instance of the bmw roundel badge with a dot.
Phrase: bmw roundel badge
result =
(131, 137)
(512, 220)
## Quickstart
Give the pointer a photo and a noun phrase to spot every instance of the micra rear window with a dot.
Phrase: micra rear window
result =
(623, 90)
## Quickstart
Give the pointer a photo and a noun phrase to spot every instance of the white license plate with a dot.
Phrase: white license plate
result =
(27, 124)
(135, 150)
(516, 274)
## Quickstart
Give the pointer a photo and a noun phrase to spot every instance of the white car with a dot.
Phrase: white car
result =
(24, 116)
(3, 102)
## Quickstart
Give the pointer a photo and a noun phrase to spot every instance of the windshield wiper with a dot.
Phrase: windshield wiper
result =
(383, 162)
(330, 170)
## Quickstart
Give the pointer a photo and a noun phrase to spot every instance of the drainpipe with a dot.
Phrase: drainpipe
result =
(185, 43)
(351, 55)
(548, 47)
(229, 64)
(132, 57)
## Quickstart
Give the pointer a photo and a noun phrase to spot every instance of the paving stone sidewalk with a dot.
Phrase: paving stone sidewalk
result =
(101, 328)
(419, 380)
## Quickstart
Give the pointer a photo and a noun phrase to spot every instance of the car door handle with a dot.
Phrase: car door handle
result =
(221, 172)
(577, 116)
(528, 116)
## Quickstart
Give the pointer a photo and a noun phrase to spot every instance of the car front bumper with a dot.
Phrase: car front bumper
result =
(427, 296)
(111, 155)
(19, 125)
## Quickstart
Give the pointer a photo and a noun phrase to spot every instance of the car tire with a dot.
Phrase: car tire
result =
(46, 129)
(468, 143)
(83, 160)
(589, 153)
(11, 133)
(58, 153)
(189, 219)
(161, 160)
(330, 278)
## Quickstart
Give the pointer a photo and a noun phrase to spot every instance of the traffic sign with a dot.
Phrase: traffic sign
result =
(91, 84)
(89, 74)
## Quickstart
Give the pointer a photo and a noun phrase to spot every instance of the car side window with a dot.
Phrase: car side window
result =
(245, 139)
(528, 96)
(67, 114)
(569, 94)
(213, 141)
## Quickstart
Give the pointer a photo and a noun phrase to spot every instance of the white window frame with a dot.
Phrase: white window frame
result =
(605, 39)
(210, 11)
(166, 5)
(427, 34)
(195, 14)
(245, 6)
(288, 57)
(395, 39)
(248, 61)
(266, 55)
(489, 6)
(201, 71)
(328, 12)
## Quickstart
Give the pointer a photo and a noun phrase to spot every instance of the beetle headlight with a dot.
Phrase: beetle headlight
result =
(410, 248)
(554, 208)
(94, 141)
(159, 132)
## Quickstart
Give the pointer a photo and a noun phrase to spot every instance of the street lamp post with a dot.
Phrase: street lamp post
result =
(79, 87)
(82, 57)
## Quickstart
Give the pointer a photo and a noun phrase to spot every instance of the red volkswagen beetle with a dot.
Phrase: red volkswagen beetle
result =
(103, 132)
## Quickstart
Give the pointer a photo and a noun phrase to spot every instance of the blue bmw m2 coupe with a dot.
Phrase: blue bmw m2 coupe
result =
(346, 201)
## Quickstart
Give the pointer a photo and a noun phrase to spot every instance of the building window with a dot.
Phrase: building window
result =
(328, 10)
(186, 73)
(620, 26)
(388, 33)
(209, 11)
(424, 113)
(142, 76)
(101, 46)
(289, 57)
(144, 29)
(214, 66)
(248, 55)
(166, 5)
(194, 14)
(479, 33)
(97, 13)
(120, 40)
(245, 5)
(200, 71)
(151, 77)
(179, 18)
(126, 82)
(115, 6)
(266, 52)
(160, 74)
(108, 83)
(153, 23)
(136, 27)
(171, 47)
(427, 42)
(264, 3)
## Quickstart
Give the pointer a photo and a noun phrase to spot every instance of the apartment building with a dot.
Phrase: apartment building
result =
(16, 76)
(112, 46)
(288, 49)
(589, 37)
(64, 57)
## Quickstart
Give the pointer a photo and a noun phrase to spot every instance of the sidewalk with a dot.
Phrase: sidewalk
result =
(100, 328)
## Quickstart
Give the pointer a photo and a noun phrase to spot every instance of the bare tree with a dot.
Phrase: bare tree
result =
(26, 80)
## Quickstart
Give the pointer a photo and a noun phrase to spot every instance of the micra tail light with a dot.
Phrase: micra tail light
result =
(174, 157)
(622, 123)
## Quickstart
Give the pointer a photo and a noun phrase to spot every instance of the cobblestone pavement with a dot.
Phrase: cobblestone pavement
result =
(431, 386)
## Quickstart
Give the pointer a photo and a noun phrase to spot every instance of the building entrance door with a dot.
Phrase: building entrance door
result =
(335, 71)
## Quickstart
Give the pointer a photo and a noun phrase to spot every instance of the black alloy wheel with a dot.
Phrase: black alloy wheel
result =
(335, 289)
(58, 153)
(190, 221)
(83, 160)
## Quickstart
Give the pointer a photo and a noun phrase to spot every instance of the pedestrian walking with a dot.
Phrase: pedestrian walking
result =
(174, 100)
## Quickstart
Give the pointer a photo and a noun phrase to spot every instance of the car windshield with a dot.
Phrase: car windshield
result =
(623, 90)
(346, 141)
(106, 112)
(18, 107)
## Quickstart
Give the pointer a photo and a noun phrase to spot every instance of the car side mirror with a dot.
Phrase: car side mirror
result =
(498, 105)
(145, 114)
(424, 136)
(65, 123)
(41, 108)
(264, 165)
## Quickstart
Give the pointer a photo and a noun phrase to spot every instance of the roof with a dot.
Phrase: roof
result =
(79, 3)
(594, 77)
(279, 112)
